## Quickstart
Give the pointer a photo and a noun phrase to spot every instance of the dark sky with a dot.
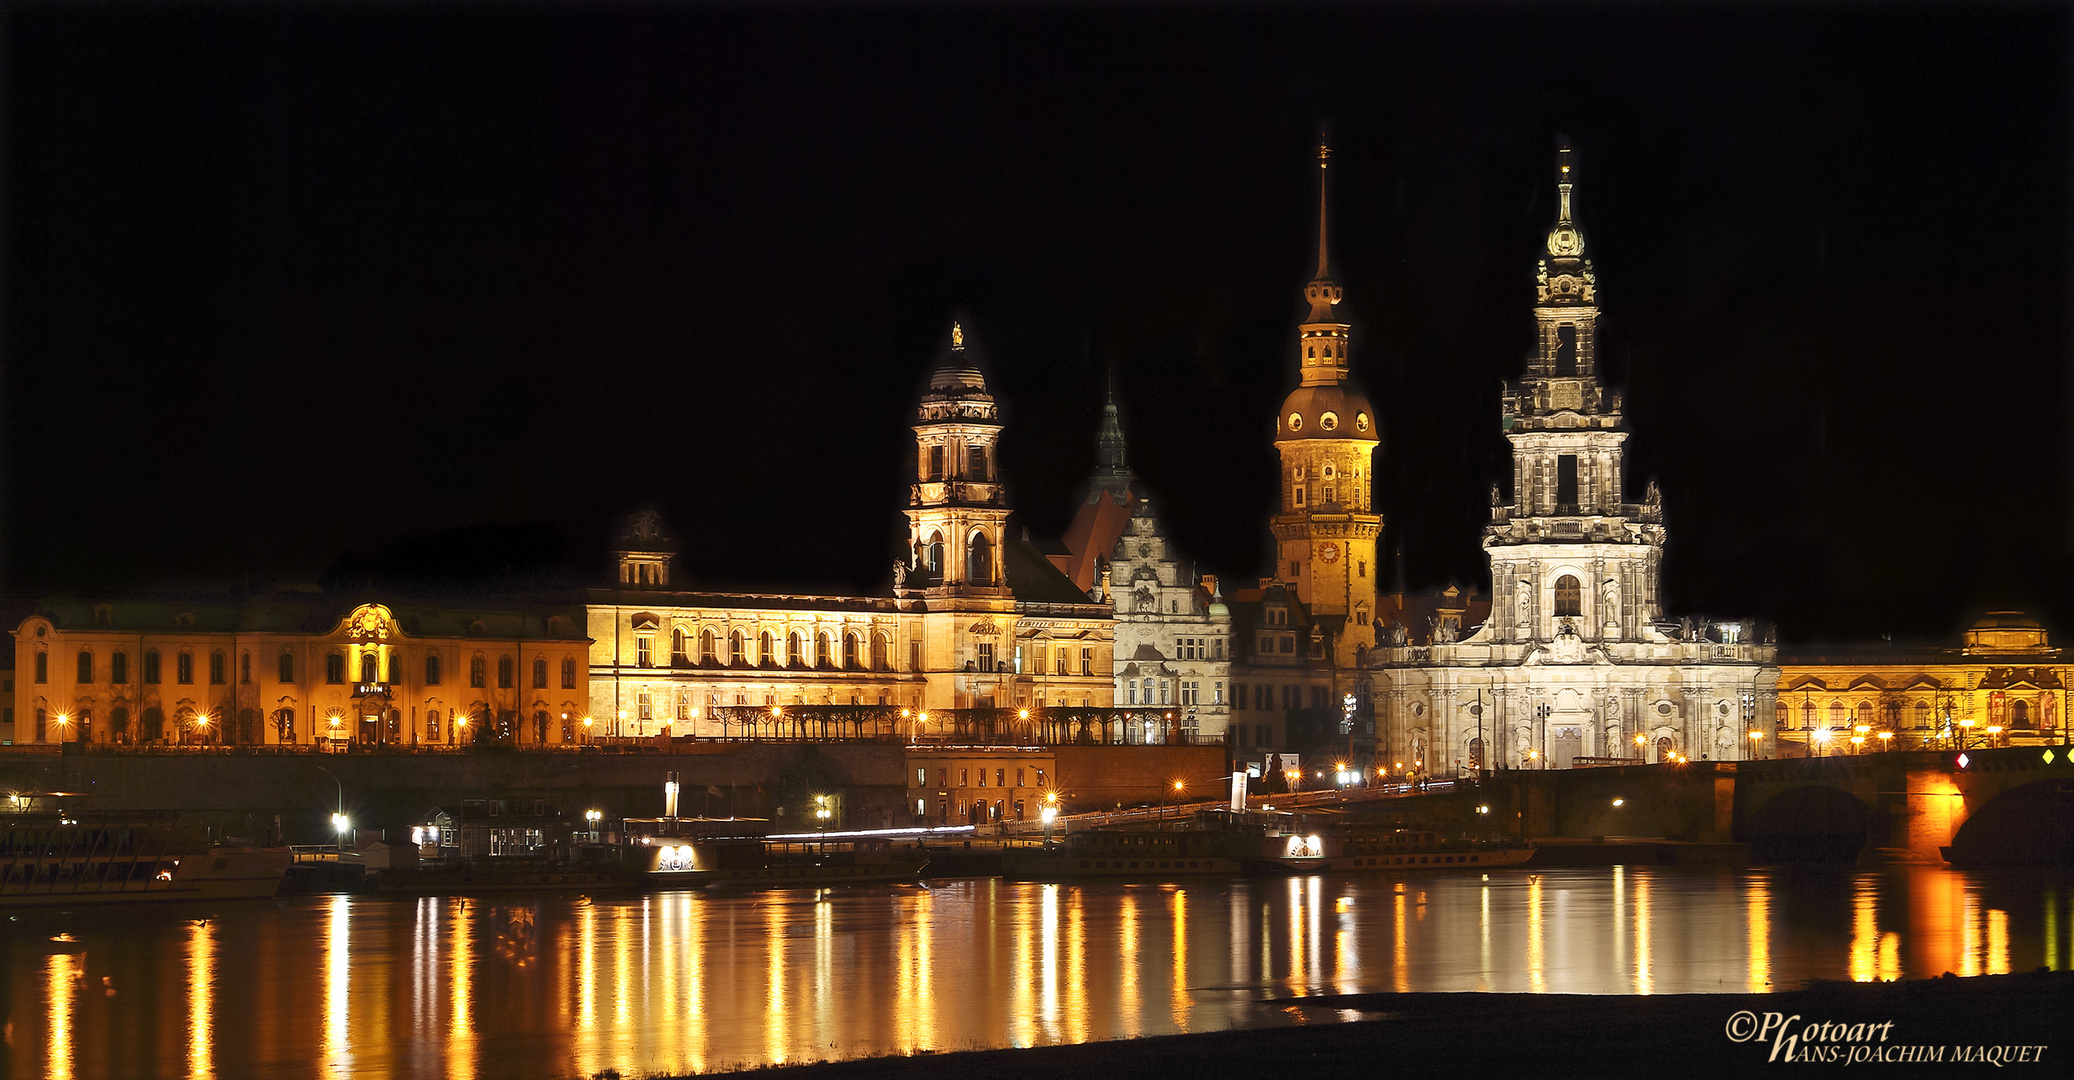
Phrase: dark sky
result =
(287, 282)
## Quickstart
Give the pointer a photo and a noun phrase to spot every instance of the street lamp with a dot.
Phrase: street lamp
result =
(1049, 814)
(593, 816)
(201, 727)
(64, 721)
(1821, 740)
(821, 812)
(339, 821)
(1757, 742)
(1886, 740)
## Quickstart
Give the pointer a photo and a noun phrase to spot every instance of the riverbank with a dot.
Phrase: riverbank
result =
(1927, 1026)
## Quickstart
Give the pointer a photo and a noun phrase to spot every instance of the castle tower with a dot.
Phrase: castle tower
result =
(958, 513)
(1326, 434)
(1568, 556)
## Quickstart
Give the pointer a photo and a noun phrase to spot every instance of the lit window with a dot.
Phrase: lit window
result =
(1567, 596)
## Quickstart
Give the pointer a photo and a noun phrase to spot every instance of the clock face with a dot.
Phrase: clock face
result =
(1329, 552)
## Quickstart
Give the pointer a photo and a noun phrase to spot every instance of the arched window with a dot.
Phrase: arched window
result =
(878, 652)
(539, 673)
(476, 669)
(431, 669)
(1567, 598)
(432, 724)
(1663, 749)
(1863, 715)
(737, 649)
(151, 671)
(1780, 714)
(936, 463)
(979, 560)
(395, 668)
(1837, 717)
(706, 647)
(370, 669)
(287, 666)
(1922, 714)
(766, 652)
(850, 651)
(1807, 714)
(86, 665)
(119, 668)
(823, 656)
(504, 672)
(677, 646)
(932, 553)
(2020, 715)
(795, 649)
(1476, 753)
(1566, 350)
(568, 673)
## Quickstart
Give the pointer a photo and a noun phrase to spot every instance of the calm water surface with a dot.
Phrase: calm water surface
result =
(564, 986)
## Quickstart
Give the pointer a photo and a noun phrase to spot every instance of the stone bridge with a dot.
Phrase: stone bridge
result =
(2004, 805)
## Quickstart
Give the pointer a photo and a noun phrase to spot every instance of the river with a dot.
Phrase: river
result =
(562, 986)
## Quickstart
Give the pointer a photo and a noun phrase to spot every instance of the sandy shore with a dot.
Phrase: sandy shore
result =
(1930, 1027)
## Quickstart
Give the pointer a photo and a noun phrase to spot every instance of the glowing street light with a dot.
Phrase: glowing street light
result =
(593, 817)
(64, 721)
(1886, 740)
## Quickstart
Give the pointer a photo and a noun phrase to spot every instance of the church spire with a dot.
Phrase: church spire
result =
(1322, 292)
(1111, 473)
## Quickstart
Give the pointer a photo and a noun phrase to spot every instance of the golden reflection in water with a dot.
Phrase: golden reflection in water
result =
(1314, 917)
(1023, 975)
(1620, 917)
(1483, 939)
(1400, 948)
(622, 933)
(460, 1017)
(1645, 980)
(1181, 959)
(1969, 935)
(1235, 903)
(201, 999)
(1346, 951)
(777, 1025)
(1048, 964)
(1998, 942)
(1299, 970)
(1129, 1003)
(2050, 909)
(61, 978)
(338, 979)
(1076, 969)
(915, 1016)
(585, 1043)
(1864, 932)
(1537, 979)
(693, 1007)
(1757, 908)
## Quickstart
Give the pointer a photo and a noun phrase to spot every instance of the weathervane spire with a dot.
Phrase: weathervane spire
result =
(1324, 158)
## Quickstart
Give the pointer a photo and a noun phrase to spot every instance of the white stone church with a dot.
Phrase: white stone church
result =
(1575, 663)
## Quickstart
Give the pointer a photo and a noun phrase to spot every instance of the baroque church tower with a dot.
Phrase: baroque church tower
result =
(1326, 434)
(1569, 558)
(958, 513)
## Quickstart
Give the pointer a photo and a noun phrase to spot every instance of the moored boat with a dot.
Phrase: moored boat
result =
(689, 853)
(58, 858)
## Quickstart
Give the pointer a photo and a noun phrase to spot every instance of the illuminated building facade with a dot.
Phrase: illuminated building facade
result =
(292, 668)
(1574, 662)
(979, 621)
(1172, 629)
(2006, 685)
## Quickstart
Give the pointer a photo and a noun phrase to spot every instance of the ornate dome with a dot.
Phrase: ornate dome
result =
(1327, 412)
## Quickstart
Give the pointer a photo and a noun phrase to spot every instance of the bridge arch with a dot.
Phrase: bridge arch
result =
(1810, 823)
(2027, 825)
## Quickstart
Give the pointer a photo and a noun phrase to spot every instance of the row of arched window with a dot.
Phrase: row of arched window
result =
(794, 655)
(2004, 710)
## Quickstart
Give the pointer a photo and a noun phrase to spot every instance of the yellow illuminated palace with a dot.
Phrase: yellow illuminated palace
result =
(2006, 684)
(297, 668)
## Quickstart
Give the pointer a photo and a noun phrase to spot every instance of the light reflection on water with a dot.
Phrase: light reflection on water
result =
(559, 986)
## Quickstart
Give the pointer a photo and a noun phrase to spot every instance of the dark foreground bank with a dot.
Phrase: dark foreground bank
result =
(1932, 1027)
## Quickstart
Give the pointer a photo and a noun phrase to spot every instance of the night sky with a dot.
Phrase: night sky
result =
(289, 283)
